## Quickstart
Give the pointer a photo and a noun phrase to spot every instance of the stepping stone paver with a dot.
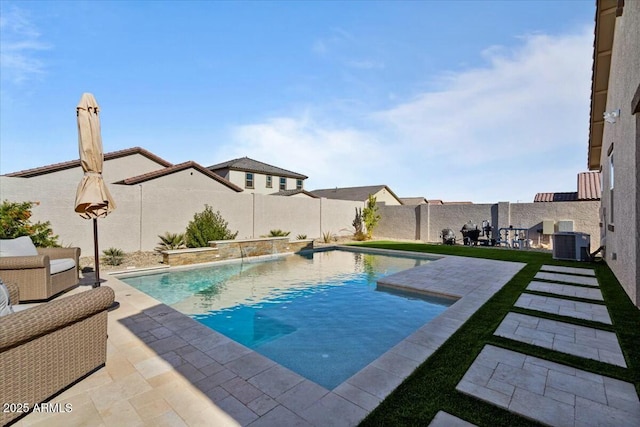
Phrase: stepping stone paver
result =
(566, 290)
(445, 419)
(558, 277)
(549, 392)
(568, 270)
(564, 337)
(565, 307)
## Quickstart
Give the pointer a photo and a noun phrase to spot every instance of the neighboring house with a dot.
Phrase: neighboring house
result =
(588, 189)
(186, 176)
(614, 136)
(413, 201)
(382, 193)
(121, 165)
(296, 193)
(257, 177)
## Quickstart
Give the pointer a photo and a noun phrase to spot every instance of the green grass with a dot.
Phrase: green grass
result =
(431, 387)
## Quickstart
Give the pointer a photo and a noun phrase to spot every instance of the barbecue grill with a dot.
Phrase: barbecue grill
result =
(470, 233)
(448, 237)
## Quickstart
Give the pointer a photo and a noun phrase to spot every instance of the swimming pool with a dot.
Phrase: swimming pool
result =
(320, 314)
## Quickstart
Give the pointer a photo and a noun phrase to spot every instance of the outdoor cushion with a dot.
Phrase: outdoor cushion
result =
(5, 304)
(21, 246)
(63, 264)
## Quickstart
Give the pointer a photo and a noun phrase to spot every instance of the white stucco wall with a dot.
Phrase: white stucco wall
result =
(622, 235)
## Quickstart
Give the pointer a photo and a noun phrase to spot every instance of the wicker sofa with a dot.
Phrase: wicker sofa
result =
(32, 272)
(46, 348)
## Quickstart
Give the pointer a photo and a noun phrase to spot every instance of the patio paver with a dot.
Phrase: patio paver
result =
(565, 307)
(445, 419)
(564, 337)
(568, 270)
(568, 278)
(548, 392)
(566, 290)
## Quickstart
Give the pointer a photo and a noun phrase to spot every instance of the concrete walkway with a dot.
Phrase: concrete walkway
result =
(549, 392)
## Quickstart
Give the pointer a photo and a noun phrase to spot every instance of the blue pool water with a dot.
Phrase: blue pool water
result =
(320, 315)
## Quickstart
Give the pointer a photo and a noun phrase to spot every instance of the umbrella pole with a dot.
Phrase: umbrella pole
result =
(95, 253)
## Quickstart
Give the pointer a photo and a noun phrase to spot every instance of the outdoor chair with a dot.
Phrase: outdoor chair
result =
(46, 348)
(40, 273)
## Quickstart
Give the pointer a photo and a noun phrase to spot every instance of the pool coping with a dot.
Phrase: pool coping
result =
(293, 398)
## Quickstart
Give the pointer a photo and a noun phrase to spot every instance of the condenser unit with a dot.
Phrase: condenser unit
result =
(571, 246)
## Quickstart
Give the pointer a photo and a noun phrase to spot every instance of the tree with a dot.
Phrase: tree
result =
(206, 226)
(15, 221)
(370, 215)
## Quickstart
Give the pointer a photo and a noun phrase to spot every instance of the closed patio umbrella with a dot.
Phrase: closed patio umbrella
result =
(93, 199)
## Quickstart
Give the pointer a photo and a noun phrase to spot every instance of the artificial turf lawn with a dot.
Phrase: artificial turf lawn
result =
(431, 387)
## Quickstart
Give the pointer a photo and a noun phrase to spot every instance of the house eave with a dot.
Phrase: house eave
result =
(605, 20)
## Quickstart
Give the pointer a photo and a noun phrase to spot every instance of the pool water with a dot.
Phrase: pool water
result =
(320, 315)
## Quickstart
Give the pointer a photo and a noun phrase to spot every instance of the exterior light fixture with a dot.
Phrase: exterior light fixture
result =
(611, 116)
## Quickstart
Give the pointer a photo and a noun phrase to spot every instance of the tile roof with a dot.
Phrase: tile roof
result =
(294, 192)
(413, 201)
(352, 193)
(177, 168)
(556, 197)
(588, 189)
(250, 165)
(589, 186)
(28, 173)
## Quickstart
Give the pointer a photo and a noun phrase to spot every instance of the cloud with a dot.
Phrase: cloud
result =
(515, 126)
(365, 64)
(19, 43)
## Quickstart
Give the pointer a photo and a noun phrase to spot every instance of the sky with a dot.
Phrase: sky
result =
(480, 101)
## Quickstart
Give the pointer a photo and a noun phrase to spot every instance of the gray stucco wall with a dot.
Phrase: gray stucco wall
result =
(622, 235)
(425, 222)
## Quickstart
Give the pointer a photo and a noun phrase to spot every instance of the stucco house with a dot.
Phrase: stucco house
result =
(122, 164)
(588, 189)
(382, 193)
(614, 136)
(258, 177)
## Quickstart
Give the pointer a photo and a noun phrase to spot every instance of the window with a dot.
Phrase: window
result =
(269, 181)
(298, 184)
(611, 183)
(283, 183)
(248, 180)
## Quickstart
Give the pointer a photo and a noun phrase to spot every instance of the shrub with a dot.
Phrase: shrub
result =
(301, 236)
(370, 215)
(278, 233)
(358, 226)
(15, 222)
(206, 226)
(113, 256)
(170, 241)
(328, 237)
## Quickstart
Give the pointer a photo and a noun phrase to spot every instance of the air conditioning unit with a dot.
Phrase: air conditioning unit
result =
(571, 246)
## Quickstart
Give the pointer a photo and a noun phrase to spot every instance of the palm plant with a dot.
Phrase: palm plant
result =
(113, 256)
(170, 241)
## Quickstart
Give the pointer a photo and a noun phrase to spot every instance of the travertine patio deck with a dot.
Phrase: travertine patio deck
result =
(164, 368)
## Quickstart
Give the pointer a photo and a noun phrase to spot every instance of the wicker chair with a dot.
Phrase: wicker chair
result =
(33, 273)
(47, 348)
